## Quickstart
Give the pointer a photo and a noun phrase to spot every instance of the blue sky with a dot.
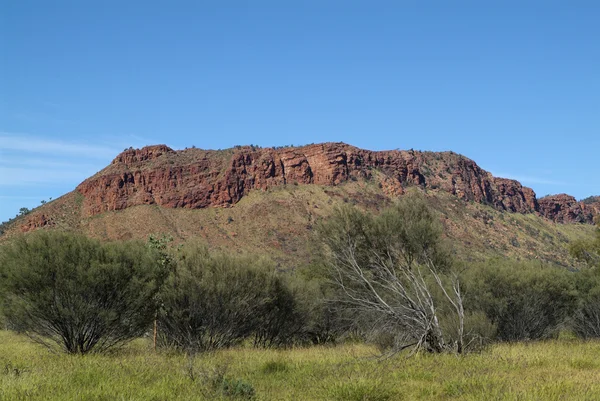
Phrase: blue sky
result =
(514, 85)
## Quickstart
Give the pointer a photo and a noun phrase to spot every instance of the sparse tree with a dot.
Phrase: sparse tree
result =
(393, 267)
(165, 258)
(588, 251)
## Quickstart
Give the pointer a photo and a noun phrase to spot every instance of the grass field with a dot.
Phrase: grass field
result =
(557, 370)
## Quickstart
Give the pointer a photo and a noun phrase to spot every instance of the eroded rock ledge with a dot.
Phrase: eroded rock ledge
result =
(195, 178)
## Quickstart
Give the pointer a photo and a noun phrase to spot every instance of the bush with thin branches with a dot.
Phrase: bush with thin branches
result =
(393, 267)
(77, 293)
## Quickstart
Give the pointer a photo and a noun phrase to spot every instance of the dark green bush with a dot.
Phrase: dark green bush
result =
(76, 292)
(323, 320)
(282, 320)
(523, 300)
(237, 388)
(586, 320)
(215, 301)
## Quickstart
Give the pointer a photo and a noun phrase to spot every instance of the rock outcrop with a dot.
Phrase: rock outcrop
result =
(129, 156)
(195, 178)
(591, 207)
(564, 208)
(35, 221)
(514, 197)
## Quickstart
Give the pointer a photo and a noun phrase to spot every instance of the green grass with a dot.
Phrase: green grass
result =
(558, 370)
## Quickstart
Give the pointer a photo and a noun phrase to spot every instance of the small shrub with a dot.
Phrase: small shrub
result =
(237, 388)
(523, 301)
(219, 383)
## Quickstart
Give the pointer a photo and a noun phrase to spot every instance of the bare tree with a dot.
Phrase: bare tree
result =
(393, 267)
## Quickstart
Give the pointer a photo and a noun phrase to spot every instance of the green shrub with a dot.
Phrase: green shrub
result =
(220, 384)
(523, 300)
(586, 320)
(216, 301)
(237, 388)
(282, 318)
(76, 292)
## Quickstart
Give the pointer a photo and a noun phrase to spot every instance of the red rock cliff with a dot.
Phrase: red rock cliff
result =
(195, 178)
(564, 208)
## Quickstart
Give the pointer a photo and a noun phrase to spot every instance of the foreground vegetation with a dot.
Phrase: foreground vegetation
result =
(552, 370)
(155, 321)
(388, 279)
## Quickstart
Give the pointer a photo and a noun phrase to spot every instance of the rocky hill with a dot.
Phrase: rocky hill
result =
(195, 178)
(266, 200)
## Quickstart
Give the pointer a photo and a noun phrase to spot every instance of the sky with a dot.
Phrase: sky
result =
(513, 85)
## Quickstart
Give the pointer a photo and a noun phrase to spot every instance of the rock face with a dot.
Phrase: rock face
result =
(131, 155)
(564, 208)
(591, 207)
(195, 178)
(35, 221)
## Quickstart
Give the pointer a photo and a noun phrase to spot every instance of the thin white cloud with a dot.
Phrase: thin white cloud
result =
(34, 164)
(34, 144)
(15, 176)
(43, 162)
(525, 179)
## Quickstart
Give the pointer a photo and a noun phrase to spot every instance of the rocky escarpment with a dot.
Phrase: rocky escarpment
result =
(564, 208)
(195, 178)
